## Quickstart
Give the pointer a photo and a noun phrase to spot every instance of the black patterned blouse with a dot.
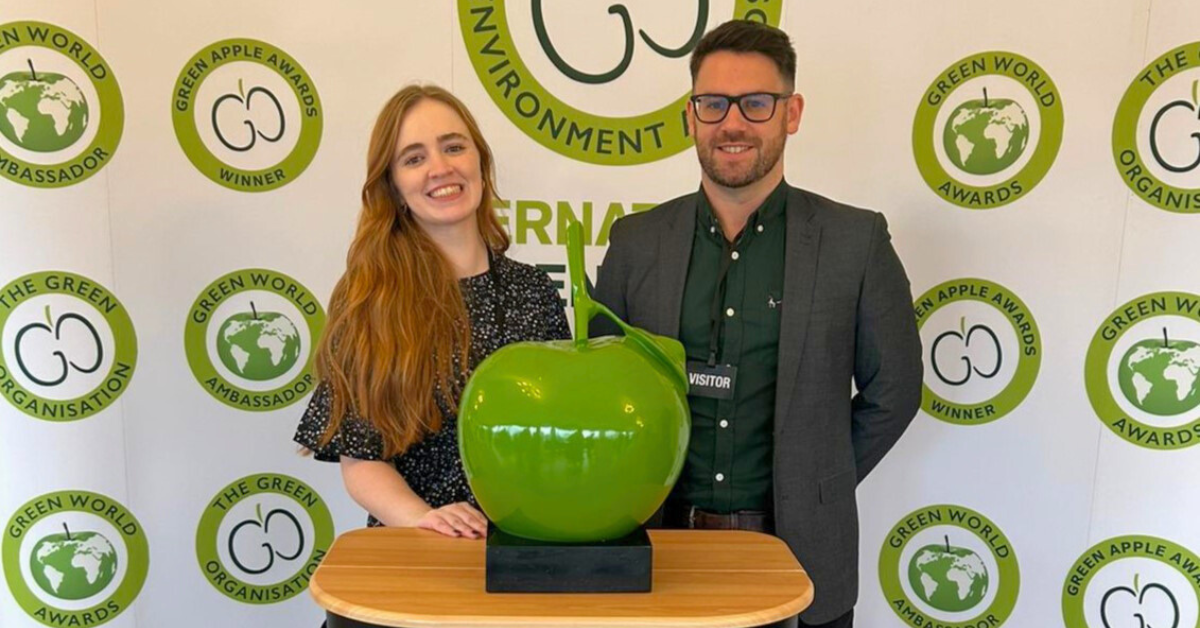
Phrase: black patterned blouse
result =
(529, 309)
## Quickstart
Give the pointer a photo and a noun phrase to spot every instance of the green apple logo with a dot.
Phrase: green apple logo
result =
(948, 578)
(1161, 376)
(253, 133)
(258, 346)
(576, 440)
(539, 27)
(1152, 606)
(985, 136)
(1192, 108)
(41, 112)
(73, 566)
(261, 526)
(54, 331)
(960, 339)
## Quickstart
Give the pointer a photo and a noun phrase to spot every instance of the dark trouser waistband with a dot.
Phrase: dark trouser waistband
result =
(677, 515)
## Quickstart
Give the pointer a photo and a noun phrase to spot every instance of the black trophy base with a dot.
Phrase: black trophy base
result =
(518, 565)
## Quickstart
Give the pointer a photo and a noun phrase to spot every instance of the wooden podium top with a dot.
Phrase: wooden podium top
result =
(411, 577)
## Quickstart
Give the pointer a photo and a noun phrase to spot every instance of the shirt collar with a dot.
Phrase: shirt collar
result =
(772, 207)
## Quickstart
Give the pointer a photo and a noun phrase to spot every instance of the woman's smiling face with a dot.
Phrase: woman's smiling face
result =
(437, 169)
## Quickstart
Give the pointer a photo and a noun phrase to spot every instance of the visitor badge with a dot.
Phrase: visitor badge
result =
(713, 382)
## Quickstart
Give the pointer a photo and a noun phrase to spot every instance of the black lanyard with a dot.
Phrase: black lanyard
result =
(497, 295)
(716, 326)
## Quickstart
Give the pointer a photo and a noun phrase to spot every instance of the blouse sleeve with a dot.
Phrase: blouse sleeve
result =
(355, 437)
(553, 313)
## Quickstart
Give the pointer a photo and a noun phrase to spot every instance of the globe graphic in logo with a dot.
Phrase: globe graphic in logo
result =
(73, 566)
(1161, 376)
(41, 111)
(258, 346)
(986, 136)
(948, 578)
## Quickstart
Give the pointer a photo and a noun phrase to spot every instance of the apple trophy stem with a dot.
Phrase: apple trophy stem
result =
(585, 308)
(67, 530)
(31, 70)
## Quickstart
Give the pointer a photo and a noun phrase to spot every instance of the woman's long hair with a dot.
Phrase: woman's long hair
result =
(397, 327)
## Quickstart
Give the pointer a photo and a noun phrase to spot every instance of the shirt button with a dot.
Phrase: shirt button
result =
(720, 477)
(735, 255)
(729, 312)
(724, 423)
(758, 229)
(712, 229)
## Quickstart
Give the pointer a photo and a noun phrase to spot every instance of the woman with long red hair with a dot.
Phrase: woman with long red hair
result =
(427, 294)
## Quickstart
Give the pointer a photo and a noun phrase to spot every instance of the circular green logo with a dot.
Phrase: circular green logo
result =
(569, 131)
(951, 567)
(1143, 371)
(983, 351)
(74, 558)
(976, 153)
(250, 339)
(262, 537)
(61, 113)
(247, 115)
(1154, 132)
(67, 346)
(1133, 580)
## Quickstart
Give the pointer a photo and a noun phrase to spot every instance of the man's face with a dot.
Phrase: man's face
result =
(736, 152)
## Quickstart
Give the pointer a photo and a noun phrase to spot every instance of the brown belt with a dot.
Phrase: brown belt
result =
(752, 520)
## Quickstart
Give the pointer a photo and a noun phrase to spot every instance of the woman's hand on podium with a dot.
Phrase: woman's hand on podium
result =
(457, 519)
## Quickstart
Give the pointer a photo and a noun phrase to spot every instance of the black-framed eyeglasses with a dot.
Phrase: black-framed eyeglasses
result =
(756, 107)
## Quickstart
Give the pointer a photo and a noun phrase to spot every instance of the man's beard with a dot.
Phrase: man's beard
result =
(740, 176)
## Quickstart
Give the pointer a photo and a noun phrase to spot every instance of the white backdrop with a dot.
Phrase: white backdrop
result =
(202, 480)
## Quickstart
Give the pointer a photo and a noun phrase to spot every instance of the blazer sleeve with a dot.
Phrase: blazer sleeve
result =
(612, 281)
(887, 361)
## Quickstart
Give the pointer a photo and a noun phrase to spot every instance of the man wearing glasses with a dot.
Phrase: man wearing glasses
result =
(787, 297)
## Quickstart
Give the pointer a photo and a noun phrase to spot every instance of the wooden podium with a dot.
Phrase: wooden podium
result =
(404, 577)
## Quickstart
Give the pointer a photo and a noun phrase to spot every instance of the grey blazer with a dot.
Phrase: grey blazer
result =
(847, 314)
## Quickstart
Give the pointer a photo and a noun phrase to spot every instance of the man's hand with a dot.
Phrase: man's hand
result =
(457, 519)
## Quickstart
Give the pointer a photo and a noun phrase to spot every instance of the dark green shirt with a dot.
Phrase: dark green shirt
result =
(729, 460)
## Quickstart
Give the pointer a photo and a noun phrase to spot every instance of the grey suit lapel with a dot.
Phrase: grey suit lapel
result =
(674, 253)
(799, 282)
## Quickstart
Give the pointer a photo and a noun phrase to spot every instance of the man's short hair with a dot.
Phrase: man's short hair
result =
(748, 36)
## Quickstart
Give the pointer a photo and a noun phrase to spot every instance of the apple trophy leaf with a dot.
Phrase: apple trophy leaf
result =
(586, 308)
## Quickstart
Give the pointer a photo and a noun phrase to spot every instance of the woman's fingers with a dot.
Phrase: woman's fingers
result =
(433, 521)
(472, 516)
(459, 520)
